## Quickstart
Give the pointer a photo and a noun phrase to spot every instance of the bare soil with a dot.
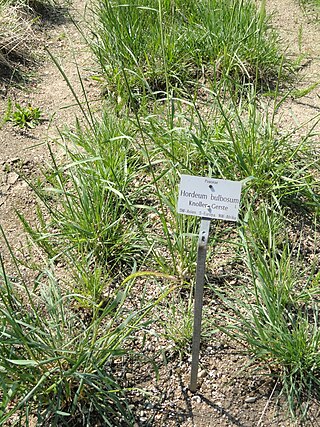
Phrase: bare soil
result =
(300, 36)
(228, 395)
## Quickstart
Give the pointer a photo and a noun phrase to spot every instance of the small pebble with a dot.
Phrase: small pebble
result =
(250, 399)
(196, 399)
(202, 374)
(12, 178)
(129, 376)
(13, 160)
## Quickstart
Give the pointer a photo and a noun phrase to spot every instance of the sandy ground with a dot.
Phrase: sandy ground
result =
(300, 36)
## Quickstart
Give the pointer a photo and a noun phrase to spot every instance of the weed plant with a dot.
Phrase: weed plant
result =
(25, 117)
(176, 321)
(227, 41)
(177, 324)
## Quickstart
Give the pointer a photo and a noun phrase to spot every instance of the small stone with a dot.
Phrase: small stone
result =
(13, 160)
(250, 399)
(149, 406)
(129, 376)
(202, 374)
(22, 186)
(12, 178)
(196, 399)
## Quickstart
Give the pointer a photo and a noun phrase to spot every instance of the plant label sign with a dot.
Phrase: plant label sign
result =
(209, 197)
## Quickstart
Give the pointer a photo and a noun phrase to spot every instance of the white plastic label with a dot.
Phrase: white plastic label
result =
(209, 197)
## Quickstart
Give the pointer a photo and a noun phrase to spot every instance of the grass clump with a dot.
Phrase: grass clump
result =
(178, 325)
(55, 367)
(227, 41)
(276, 319)
(15, 34)
(90, 202)
(309, 3)
(18, 35)
(240, 142)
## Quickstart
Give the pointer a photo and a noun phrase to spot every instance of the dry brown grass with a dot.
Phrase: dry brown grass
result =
(16, 35)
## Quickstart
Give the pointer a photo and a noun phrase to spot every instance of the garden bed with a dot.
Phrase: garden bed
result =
(98, 267)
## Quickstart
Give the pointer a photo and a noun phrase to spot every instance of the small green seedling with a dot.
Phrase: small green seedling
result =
(25, 117)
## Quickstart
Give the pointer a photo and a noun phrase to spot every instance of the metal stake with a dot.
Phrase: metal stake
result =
(198, 300)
